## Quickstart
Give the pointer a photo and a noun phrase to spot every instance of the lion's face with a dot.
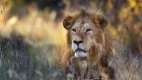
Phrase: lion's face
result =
(82, 33)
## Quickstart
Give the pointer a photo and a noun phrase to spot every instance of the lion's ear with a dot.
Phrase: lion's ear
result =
(100, 21)
(68, 21)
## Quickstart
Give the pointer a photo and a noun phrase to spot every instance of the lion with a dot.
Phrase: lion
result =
(89, 47)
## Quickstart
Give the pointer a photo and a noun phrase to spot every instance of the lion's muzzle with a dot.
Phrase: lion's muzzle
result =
(78, 49)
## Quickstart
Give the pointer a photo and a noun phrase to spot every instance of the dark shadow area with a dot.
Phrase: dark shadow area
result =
(18, 61)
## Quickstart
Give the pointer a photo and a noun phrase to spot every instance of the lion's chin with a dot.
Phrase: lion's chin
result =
(80, 54)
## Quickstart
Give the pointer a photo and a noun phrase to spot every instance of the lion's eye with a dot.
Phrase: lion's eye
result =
(74, 30)
(87, 30)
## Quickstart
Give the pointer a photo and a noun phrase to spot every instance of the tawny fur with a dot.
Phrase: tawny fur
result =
(107, 60)
(95, 67)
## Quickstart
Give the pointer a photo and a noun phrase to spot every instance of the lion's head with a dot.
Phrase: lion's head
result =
(84, 32)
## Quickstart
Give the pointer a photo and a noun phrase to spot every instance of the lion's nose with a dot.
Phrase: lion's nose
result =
(78, 42)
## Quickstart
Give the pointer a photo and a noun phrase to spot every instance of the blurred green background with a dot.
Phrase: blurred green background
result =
(33, 41)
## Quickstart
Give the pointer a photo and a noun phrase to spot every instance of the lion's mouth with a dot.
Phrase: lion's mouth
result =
(80, 50)
(80, 53)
